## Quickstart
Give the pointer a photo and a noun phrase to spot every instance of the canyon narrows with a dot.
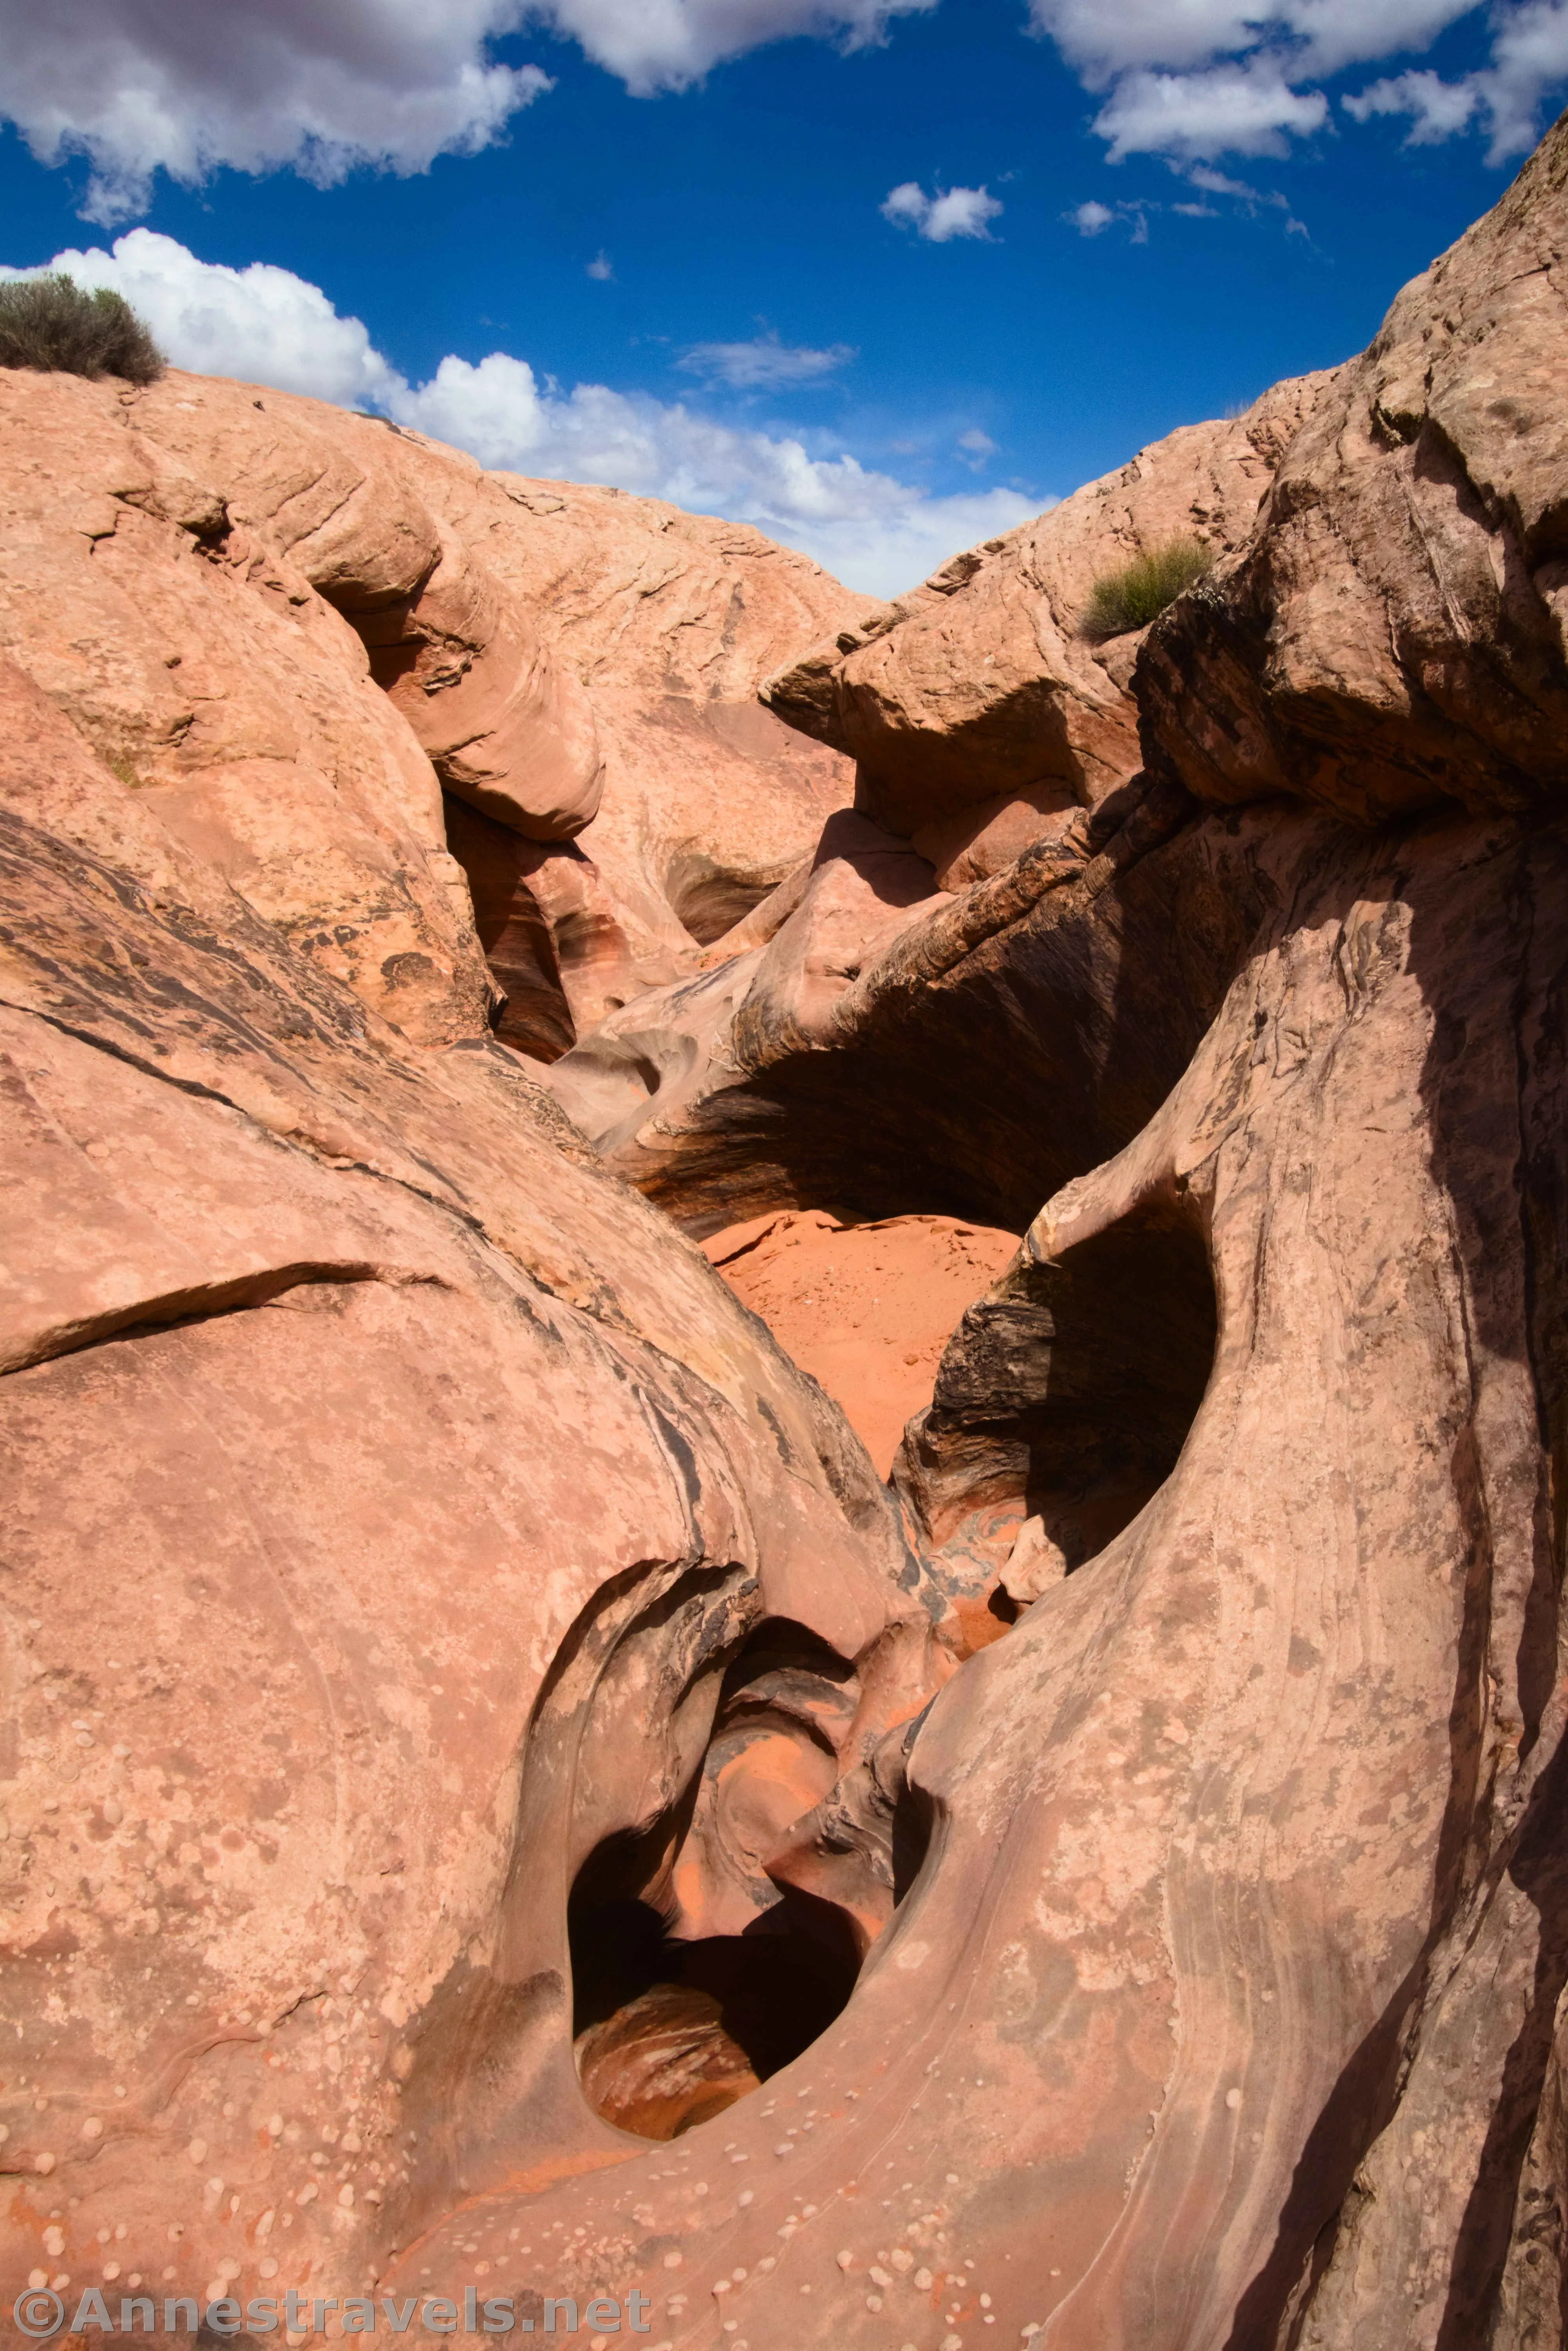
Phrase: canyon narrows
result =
(1049, 1832)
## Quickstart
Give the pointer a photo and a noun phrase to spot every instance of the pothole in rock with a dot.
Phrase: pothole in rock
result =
(1062, 1406)
(865, 1306)
(689, 2028)
(694, 1975)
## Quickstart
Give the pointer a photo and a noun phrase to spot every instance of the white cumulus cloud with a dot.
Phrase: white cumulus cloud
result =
(765, 363)
(1235, 109)
(655, 45)
(1104, 38)
(950, 212)
(187, 86)
(1529, 59)
(1090, 219)
(1437, 108)
(1529, 56)
(266, 326)
(1188, 78)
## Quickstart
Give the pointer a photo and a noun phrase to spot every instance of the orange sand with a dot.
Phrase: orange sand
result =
(865, 1309)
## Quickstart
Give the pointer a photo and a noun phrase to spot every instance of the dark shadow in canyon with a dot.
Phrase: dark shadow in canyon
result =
(669, 2028)
(980, 1094)
(1066, 1394)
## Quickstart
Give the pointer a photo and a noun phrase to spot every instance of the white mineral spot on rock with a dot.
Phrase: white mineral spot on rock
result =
(92, 2127)
(923, 2281)
(1233, 2099)
(44, 2163)
(55, 2242)
(746, 2197)
(197, 2151)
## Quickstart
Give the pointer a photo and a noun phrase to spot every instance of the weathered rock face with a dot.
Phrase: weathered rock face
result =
(1393, 637)
(203, 665)
(978, 715)
(1229, 1824)
(1065, 994)
(293, 627)
(1225, 2009)
(395, 1507)
(535, 1814)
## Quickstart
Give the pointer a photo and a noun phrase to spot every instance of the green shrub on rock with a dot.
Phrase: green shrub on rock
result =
(1139, 592)
(51, 323)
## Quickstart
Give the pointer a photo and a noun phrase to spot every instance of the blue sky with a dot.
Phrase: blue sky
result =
(684, 245)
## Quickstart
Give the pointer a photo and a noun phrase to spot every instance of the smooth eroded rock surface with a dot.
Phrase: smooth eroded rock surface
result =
(976, 708)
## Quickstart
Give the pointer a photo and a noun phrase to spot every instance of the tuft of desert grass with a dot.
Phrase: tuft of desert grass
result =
(1137, 593)
(52, 324)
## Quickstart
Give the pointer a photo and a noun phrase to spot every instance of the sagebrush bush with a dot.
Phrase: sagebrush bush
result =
(52, 323)
(1139, 592)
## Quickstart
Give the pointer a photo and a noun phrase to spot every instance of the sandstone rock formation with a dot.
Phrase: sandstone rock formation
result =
(1229, 2013)
(977, 711)
(501, 1797)
(392, 1500)
(299, 629)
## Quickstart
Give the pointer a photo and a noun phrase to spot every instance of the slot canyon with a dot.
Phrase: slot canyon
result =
(784, 1378)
